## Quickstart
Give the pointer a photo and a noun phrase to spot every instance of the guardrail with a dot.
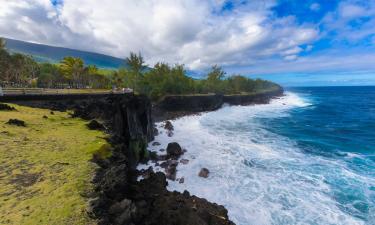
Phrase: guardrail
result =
(48, 91)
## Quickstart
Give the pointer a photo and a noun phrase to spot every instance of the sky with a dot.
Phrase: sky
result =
(292, 42)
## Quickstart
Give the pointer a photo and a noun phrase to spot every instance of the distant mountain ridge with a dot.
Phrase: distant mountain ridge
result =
(46, 53)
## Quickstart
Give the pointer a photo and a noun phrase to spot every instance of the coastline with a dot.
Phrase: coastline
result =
(175, 106)
(120, 198)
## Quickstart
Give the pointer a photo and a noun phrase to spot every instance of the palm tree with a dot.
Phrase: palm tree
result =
(136, 64)
(2, 43)
(72, 69)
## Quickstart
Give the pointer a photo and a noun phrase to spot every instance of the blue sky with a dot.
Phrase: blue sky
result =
(293, 42)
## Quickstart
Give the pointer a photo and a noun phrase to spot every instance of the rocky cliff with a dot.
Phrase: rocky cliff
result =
(171, 107)
(119, 198)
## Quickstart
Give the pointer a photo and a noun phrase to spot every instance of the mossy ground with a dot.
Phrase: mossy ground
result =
(45, 167)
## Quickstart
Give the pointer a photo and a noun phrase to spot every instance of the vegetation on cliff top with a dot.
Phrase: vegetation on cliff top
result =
(45, 167)
(156, 82)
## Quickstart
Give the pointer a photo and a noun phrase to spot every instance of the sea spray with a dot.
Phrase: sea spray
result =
(261, 177)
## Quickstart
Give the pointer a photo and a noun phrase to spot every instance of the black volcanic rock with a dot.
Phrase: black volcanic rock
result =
(16, 122)
(5, 107)
(170, 208)
(204, 173)
(95, 125)
(174, 150)
(168, 126)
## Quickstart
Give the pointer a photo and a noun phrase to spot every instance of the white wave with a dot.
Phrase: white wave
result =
(260, 177)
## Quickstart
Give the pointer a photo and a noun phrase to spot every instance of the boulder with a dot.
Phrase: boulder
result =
(168, 125)
(204, 173)
(17, 122)
(174, 150)
(95, 125)
(155, 143)
(171, 170)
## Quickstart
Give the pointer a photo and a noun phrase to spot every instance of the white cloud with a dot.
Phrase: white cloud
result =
(315, 7)
(350, 11)
(192, 32)
(352, 21)
(330, 62)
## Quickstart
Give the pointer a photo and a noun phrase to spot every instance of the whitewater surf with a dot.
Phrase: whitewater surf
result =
(260, 176)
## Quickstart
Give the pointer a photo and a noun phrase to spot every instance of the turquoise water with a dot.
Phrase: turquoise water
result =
(305, 158)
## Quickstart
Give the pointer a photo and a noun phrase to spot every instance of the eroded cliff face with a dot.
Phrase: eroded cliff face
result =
(171, 107)
(119, 197)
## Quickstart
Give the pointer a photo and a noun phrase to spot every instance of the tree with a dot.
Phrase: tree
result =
(50, 76)
(2, 44)
(5, 62)
(214, 78)
(136, 64)
(72, 69)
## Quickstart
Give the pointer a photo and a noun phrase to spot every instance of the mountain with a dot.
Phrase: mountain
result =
(46, 53)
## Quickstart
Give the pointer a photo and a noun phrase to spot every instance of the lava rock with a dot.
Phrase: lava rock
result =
(155, 143)
(171, 170)
(115, 181)
(17, 122)
(119, 207)
(172, 208)
(156, 131)
(95, 125)
(174, 150)
(168, 125)
(5, 107)
(204, 173)
(184, 161)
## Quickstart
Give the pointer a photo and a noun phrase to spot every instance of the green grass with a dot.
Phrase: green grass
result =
(45, 167)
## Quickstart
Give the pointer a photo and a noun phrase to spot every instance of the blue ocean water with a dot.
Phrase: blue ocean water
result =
(305, 158)
(340, 125)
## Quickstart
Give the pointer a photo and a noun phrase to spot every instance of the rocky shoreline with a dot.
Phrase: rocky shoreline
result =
(119, 198)
(174, 106)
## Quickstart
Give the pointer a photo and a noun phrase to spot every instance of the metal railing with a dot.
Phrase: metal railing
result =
(48, 91)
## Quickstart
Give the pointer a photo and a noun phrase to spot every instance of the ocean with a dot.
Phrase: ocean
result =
(305, 158)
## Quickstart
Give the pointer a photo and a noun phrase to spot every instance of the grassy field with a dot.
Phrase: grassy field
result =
(45, 167)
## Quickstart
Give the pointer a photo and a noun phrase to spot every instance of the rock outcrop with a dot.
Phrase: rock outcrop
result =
(119, 198)
(171, 107)
(5, 107)
(16, 122)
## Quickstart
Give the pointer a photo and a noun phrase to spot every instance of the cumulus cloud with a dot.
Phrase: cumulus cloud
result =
(353, 21)
(315, 7)
(193, 32)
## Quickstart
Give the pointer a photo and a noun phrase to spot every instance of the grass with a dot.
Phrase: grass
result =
(45, 167)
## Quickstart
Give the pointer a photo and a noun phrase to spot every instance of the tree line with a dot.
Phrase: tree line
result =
(19, 70)
(164, 79)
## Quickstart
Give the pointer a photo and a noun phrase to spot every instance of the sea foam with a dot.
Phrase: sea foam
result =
(259, 176)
